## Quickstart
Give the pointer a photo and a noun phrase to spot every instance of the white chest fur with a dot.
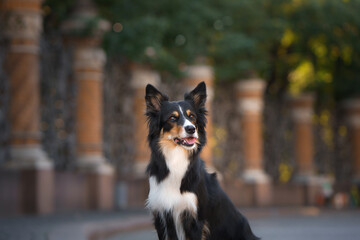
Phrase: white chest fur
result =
(166, 195)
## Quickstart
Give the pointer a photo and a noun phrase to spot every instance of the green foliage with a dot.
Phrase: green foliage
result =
(329, 39)
(162, 33)
(240, 38)
(241, 48)
(55, 12)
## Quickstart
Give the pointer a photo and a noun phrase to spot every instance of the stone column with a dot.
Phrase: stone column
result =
(352, 108)
(194, 75)
(250, 106)
(22, 27)
(302, 113)
(88, 66)
(140, 77)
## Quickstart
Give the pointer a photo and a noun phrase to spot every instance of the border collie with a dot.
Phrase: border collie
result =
(185, 200)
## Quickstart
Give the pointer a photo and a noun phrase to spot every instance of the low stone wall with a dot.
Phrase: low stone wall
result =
(74, 192)
(71, 192)
(10, 193)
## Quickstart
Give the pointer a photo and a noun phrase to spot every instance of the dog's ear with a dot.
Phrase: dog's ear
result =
(198, 95)
(154, 98)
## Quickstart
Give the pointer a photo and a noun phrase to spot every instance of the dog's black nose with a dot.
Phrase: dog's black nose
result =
(190, 129)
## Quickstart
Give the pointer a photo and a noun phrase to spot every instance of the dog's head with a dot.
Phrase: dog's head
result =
(177, 123)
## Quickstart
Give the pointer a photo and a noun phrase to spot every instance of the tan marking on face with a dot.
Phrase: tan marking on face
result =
(166, 143)
(193, 121)
(167, 139)
(175, 113)
(176, 130)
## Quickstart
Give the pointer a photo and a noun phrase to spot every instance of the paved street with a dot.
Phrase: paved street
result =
(269, 224)
(72, 226)
(309, 224)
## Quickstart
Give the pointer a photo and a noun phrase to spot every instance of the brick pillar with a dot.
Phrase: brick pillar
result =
(352, 107)
(140, 77)
(302, 113)
(250, 106)
(88, 66)
(195, 75)
(22, 27)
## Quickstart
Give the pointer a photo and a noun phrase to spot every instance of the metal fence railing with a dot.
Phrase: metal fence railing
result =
(58, 92)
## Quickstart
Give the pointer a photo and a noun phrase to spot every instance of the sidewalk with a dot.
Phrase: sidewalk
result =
(287, 224)
(269, 223)
(73, 226)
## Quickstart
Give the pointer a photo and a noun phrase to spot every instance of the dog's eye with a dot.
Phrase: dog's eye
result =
(192, 116)
(172, 118)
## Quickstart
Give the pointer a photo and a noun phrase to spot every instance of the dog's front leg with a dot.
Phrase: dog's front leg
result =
(193, 228)
(160, 226)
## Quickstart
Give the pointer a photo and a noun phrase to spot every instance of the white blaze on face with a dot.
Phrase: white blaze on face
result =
(187, 123)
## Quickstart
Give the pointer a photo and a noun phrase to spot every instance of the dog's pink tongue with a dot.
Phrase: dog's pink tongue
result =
(190, 141)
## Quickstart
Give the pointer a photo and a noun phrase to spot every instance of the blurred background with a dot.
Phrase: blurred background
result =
(283, 82)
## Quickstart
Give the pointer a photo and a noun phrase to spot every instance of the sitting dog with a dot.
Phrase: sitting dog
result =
(185, 200)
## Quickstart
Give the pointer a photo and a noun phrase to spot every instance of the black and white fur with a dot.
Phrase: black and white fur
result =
(185, 200)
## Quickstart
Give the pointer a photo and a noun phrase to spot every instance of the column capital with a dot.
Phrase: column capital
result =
(252, 85)
(22, 24)
(200, 73)
(89, 63)
(141, 76)
(302, 107)
(352, 110)
(76, 27)
(89, 58)
(249, 94)
(204, 72)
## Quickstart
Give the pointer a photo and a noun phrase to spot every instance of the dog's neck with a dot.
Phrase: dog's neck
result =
(177, 161)
(184, 166)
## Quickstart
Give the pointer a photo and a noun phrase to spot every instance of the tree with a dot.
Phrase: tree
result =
(273, 39)
(164, 34)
